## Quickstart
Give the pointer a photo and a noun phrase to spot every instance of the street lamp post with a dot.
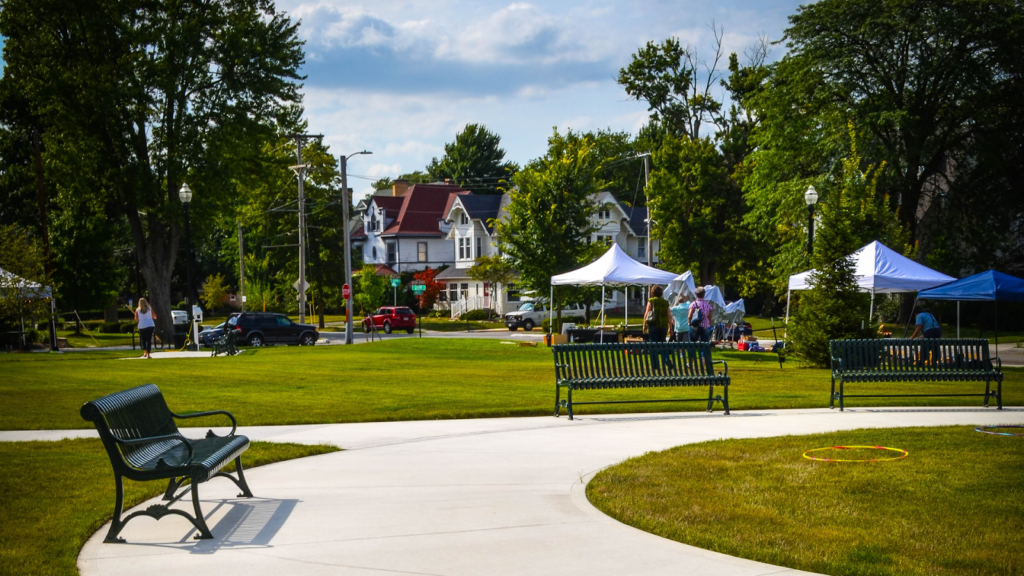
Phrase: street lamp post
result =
(811, 198)
(348, 241)
(185, 195)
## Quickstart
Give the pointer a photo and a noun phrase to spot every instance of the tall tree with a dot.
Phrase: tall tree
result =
(549, 218)
(696, 208)
(161, 93)
(495, 271)
(475, 161)
(917, 76)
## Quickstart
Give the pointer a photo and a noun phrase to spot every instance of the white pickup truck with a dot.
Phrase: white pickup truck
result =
(532, 314)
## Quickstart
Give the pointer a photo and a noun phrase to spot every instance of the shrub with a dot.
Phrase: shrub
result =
(110, 328)
(127, 328)
(475, 315)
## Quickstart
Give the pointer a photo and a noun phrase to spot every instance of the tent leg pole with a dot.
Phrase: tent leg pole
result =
(602, 313)
(911, 320)
(551, 316)
(871, 308)
(996, 304)
(789, 298)
(957, 319)
(626, 325)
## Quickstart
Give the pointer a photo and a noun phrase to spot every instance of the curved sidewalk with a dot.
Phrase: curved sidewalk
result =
(497, 496)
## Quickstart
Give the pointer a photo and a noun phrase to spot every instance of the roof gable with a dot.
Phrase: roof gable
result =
(421, 208)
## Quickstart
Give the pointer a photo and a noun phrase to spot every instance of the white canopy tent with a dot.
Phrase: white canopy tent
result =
(880, 270)
(681, 285)
(614, 268)
(13, 286)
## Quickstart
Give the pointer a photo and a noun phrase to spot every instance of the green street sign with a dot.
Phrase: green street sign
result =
(419, 288)
(396, 282)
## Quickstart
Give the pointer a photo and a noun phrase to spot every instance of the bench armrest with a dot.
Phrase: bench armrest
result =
(175, 436)
(723, 363)
(998, 363)
(234, 424)
(837, 364)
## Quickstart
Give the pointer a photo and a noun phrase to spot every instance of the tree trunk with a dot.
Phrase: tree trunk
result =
(158, 250)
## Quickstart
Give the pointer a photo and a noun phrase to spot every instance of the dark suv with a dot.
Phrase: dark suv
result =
(259, 328)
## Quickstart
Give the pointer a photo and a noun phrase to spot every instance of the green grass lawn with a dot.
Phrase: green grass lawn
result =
(95, 339)
(57, 494)
(954, 506)
(401, 379)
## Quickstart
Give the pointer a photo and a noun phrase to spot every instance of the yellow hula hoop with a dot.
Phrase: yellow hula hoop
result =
(902, 454)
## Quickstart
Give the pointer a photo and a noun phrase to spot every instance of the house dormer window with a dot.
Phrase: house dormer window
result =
(604, 214)
(464, 219)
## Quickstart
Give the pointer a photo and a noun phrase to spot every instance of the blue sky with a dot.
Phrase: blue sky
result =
(400, 77)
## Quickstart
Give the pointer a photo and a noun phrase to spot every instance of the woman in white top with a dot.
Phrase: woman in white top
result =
(145, 316)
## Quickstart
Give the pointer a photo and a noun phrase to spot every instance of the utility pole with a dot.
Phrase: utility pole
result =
(300, 171)
(647, 179)
(44, 229)
(241, 267)
(346, 199)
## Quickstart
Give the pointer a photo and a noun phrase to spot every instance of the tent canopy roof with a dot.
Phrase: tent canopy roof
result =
(615, 267)
(881, 270)
(26, 288)
(986, 286)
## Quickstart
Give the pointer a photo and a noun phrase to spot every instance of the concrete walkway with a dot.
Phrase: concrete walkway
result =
(487, 496)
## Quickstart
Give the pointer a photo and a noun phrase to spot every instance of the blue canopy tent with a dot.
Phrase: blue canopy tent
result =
(988, 286)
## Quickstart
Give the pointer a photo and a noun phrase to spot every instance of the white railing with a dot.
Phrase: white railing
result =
(460, 307)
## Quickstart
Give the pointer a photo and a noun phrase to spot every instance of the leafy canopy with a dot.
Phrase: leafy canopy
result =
(474, 161)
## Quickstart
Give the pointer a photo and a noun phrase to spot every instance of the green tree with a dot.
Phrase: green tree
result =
(373, 289)
(920, 77)
(676, 84)
(834, 308)
(474, 161)
(494, 270)
(548, 222)
(696, 208)
(214, 290)
(158, 93)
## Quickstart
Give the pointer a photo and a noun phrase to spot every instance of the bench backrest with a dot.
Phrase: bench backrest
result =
(904, 354)
(632, 360)
(139, 412)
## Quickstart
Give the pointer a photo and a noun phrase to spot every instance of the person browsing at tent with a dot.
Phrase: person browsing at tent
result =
(678, 322)
(699, 318)
(656, 316)
(927, 325)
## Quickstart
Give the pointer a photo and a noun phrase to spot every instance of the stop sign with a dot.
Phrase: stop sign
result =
(346, 291)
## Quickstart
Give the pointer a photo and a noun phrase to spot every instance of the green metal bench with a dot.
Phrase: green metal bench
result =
(637, 365)
(226, 343)
(917, 360)
(143, 443)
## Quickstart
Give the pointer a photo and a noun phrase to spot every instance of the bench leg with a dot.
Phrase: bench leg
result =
(172, 487)
(199, 522)
(999, 395)
(711, 397)
(240, 481)
(558, 392)
(568, 405)
(726, 400)
(988, 392)
(841, 389)
(832, 394)
(116, 524)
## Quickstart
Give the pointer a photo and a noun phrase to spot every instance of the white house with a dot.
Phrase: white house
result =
(470, 220)
(405, 230)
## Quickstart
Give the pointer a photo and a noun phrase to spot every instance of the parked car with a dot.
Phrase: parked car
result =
(260, 328)
(208, 334)
(391, 318)
(531, 314)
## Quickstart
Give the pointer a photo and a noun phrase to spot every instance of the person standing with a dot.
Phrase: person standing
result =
(656, 316)
(699, 318)
(145, 316)
(680, 325)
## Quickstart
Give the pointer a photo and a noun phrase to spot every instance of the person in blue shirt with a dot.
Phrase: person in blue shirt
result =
(927, 325)
(680, 327)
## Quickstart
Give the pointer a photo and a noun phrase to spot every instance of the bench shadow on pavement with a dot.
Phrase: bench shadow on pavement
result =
(248, 523)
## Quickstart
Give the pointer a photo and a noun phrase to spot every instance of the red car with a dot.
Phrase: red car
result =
(390, 318)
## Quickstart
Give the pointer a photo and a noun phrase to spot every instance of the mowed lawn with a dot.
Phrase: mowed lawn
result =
(953, 506)
(57, 494)
(404, 379)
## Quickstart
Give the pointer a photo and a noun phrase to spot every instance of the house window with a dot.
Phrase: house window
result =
(462, 248)
(464, 219)
(421, 251)
(465, 289)
(453, 292)
(375, 253)
(392, 253)
(479, 247)
(641, 249)
(604, 214)
(442, 295)
(512, 293)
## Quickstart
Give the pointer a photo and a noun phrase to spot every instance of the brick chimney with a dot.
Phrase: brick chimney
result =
(399, 187)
